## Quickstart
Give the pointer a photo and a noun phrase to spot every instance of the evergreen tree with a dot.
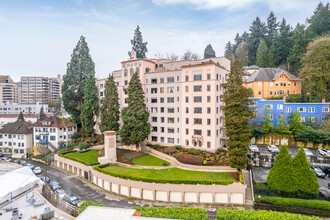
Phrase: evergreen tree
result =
(320, 21)
(90, 109)
(136, 127)
(266, 122)
(258, 31)
(271, 29)
(280, 176)
(209, 52)
(74, 80)
(238, 40)
(110, 107)
(242, 54)
(282, 127)
(229, 54)
(262, 54)
(295, 123)
(237, 113)
(138, 45)
(20, 117)
(305, 179)
(245, 37)
(42, 114)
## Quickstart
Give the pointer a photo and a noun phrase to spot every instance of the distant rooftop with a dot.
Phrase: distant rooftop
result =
(269, 74)
(19, 127)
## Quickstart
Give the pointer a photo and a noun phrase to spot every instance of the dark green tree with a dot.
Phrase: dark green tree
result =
(262, 54)
(42, 114)
(305, 179)
(258, 31)
(90, 108)
(238, 40)
(295, 123)
(237, 113)
(272, 26)
(280, 176)
(242, 54)
(209, 52)
(266, 122)
(282, 127)
(136, 127)
(110, 107)
(138, 45)
(20, 117)
(80, 65)
(245, 37)
(319, 23)
(229, 53)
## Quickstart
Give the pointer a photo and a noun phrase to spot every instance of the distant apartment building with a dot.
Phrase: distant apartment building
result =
(269, 82)
(10, 118)
(16, 139)
(8, 90)
(25, 108)
(39, 89)
(183, 98)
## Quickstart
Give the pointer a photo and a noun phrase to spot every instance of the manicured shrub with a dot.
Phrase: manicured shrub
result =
(84, 146)
(173, 213)
(157, 146)
(71, 145)
(204, 162)
(85, 204)
(190, 159)
(169, 150)
(149, 144)
(195, 151)
(225, 214)
(178, 146)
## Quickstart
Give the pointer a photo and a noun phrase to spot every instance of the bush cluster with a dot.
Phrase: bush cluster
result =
(84, 145)
(159, 180)
(173, 213)
(225, 214)
(190, 159)
(85, 204)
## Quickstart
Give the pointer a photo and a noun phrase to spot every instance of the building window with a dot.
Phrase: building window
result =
(276, 84)
(280, 107)
(187, 89)
(187, 121)
(187, 131)
(208, 121)
(259, 92)
(208, 110)
(170, 140)
(170, 130)
(170, 89)
(170, 110)
(325, 109)
(125, 82)
(312, 119)
(162, 119)
(187, 99)
(295, 83)
(208, 133)
(197, 121)
(170, 79)
(197, 77)
(153, 90)
(208, 98)
(154, 119)
(198, 88)
(162, 139)
(162, 109)
(268, 106)
(162, 129)
(302, 119)
(161, 100)
(154, 129)
(270, 117)
(170, 99)
(259, 83)
(208, 76)
(198, 110)
(187, 78)
(301, 109)
(125, 72)
(161, 89)
(52, 138)
(131, 71)
(170, 120)
(271, 83)
(289, 83)
(153, 100)
(208, 88)
(288, 109)
(187, 110)
(197, 132)
(311, 109)
(187, 142)
(153, 138)
(154, 81)
(197, 98)
(137, 70)
(271, 93)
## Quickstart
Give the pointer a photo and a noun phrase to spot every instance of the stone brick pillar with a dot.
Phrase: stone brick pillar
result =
(110, 155)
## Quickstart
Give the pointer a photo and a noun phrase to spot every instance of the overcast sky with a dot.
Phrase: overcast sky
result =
(37, 37)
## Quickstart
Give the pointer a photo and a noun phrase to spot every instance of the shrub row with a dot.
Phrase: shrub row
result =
(67, 152)
(85, 204)
(76, 159)
(264, 190)
(190, 159)
(225, 214)
(152, 180)
(173, 213)
(293, 202)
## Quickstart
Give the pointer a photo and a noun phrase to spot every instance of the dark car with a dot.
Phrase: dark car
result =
(54, 185)
(318, 171)
(326, 170)
(45, 179)
(72, 199)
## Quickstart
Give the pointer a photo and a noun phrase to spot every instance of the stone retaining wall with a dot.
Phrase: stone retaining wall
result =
(179, 193)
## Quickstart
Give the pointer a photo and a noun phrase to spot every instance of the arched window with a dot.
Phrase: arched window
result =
(131, 71)
(125, 72)
(137, 70)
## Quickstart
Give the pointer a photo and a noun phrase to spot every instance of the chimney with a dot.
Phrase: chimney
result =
(323, 100)
(133, 54)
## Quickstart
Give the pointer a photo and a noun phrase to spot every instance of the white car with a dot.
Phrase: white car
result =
(273, 149)
(253, 147)
(37, 170)
(308, 152)
(324, 152)
(61, 193)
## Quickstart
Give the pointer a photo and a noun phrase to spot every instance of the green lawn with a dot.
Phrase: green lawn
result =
(172, 175)
(89, 157)
(149, 160)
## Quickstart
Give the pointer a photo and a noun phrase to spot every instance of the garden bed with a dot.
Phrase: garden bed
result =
(139, 158)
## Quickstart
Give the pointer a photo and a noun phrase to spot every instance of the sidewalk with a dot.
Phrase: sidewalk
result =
(249, 197)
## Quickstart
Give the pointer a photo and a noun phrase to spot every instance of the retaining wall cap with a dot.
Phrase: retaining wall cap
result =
(109, 133)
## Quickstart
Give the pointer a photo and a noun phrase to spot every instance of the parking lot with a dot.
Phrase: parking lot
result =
(292, 150)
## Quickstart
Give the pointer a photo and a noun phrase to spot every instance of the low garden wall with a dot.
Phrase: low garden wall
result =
(178, 193)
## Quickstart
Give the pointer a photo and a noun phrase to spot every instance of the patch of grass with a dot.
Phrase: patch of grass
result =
(43, 157)
(88, 158)
(173, 213)
(172, 175)
(150, 160)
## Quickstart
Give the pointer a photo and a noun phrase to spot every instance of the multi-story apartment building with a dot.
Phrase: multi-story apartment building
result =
(275, 108)
(8, 90)
(25, 109)
(183, 98)
(53, 132)
(39, 89)
(269, 82)
(16, 139)
(10, 118)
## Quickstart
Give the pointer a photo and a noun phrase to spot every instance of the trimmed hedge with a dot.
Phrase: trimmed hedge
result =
(152, 180)
(85, 204)
(293, 202)
(225, 214)
(190, 159)
(173, 213)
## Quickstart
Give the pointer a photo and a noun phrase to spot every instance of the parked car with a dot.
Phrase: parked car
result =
(318, 171)
(253, 147)
(45, 179)
(72, 199)
(37, 170)
(16, 161)
(324, 152)
(326, 170)
(54, 185)
(308, 152)
(30, 166)
(22, 162)
(61, 193)
(273, 149)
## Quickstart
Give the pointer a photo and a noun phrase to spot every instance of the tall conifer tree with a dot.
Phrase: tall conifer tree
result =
(258, 31)
(110, 107)
(209, 52)
(80, 65)
(138, 45)
(320, 21)
(20, 117)
(237, 114)
(262, 54)
(136, 127)
(271, 28)
(42, 114)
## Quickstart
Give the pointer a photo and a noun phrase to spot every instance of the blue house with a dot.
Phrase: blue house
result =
(308, 111)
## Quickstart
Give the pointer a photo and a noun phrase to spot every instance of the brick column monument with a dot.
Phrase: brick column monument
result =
(110, 155)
